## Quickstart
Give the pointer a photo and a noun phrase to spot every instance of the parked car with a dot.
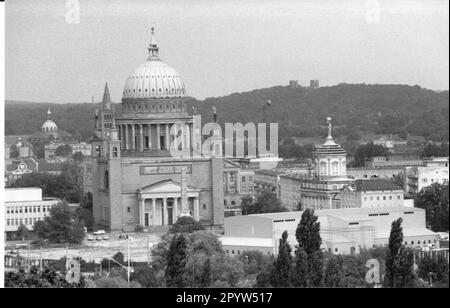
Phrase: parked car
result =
(90, 238)
(98, 238)
(99, 232)
(105, 237)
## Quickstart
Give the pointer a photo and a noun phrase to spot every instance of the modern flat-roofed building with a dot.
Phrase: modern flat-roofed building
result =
(420, 177)
(343, 231)
(25, 206)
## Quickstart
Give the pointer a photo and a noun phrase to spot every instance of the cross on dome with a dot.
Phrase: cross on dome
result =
(153, 48)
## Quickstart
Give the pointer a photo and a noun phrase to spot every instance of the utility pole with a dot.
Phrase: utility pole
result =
(128, 268)
(67, 257)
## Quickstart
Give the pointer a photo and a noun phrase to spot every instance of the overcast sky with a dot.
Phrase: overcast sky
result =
(221, 47)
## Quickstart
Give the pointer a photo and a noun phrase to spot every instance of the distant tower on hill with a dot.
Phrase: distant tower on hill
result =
(314, 83)
(293, 84)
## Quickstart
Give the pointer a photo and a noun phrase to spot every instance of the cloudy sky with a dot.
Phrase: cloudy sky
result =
(220, 47)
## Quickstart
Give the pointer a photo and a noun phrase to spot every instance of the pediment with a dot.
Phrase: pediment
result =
(166, 186)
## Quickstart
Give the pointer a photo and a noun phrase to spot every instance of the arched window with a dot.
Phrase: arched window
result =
(106, 180)
(114, 151)
(323, 168)
(335, 168)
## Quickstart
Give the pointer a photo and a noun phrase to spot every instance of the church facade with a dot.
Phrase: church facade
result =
(136, 178)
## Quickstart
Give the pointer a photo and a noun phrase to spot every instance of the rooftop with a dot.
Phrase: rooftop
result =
(376, 185)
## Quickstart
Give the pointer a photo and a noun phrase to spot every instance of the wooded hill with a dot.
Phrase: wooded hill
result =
(356, 109)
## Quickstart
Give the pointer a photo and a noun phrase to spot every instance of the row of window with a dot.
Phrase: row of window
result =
(156, 108)
(379, 214)
(20, 221)
(424, 242)
(239, 252)
(384, 198)
(27, 209)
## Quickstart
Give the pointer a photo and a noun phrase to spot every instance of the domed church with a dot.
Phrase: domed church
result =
(136, 179)
(50, 132)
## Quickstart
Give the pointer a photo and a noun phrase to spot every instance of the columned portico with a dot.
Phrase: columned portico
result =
(160, 203)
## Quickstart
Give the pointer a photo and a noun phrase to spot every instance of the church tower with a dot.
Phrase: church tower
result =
(330, 157)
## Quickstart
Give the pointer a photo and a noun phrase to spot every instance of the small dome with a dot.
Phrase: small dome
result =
(49, 126)
(154, 78)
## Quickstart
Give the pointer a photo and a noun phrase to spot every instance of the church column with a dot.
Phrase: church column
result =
(154, 211)
(167, 136)
(165, 221)
(149, 136)
(330, 202)
(133, 137)
(188, 137)
(196, 209)
(127, 142)
(175, 209)
(158, 136)
(141, 138)
(142, 211)
(183, 143)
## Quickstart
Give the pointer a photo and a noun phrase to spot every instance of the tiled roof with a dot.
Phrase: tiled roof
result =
(376, 185)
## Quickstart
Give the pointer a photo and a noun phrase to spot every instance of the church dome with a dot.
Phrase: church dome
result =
(153, 78)
(49, 126)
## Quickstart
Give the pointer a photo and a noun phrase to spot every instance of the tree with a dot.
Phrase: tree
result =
(266, 202)
(84, 213)
(145, 276)
(434, 270)
(434, 199)
(399, 179)
(114, 283)
(247, 205)
(176, 262)
(63, 150)
(333, 273)
(281, 272)
(48, 278)
(206, 278)
(366, 151)
(63, 186)
(186, 224)
(78, 156)
(22, 233)
(60, 226)
(399, 261)
(432, 149)
(300, 277)
(308, 255)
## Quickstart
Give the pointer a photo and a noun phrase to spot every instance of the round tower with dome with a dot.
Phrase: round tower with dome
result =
(330, 157)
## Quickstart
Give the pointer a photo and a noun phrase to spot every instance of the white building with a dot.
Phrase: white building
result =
(25, 206)
(371, 193)
(419, 177)
(343, 231)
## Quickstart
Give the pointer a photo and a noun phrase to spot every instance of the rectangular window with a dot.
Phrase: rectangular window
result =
(243, 179)
(7, 222)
